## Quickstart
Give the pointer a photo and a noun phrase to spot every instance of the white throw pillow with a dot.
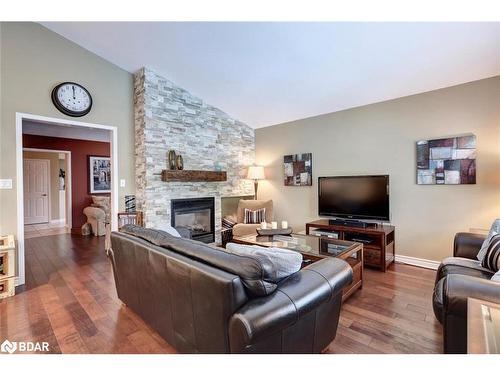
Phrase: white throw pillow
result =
(496, 277)
(169, 229)
(494, 230)
(280, 262)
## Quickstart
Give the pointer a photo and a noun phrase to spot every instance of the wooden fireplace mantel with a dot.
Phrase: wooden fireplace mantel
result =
(193, 176)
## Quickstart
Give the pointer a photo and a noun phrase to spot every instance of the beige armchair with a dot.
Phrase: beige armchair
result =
(242, 229)
(98, 214)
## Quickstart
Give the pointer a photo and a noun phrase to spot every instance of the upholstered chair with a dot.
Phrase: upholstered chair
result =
(98, 214)
(242, 229)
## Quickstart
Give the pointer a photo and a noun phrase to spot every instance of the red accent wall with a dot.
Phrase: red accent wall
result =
(80, 151)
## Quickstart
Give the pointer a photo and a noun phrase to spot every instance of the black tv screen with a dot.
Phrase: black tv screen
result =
(354, 197)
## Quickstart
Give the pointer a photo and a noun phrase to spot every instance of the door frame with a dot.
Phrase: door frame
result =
(21, 276)
(69, 202)
(49, 187)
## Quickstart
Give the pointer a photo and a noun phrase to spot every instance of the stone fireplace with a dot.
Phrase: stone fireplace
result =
(168, 117)
(197, 215)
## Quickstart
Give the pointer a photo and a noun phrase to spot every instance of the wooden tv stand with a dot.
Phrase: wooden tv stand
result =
(378, 240)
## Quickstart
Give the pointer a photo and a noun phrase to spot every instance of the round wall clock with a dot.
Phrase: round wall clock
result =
(72, 99)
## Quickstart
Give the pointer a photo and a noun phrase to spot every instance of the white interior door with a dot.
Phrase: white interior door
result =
(36, 191)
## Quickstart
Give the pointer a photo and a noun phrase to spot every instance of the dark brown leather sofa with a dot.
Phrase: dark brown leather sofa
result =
(457, 278)
(201, 299)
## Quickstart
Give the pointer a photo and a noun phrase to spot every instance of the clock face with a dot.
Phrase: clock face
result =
(72, 99)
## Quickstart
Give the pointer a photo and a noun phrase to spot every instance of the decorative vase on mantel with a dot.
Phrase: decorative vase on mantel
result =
(172, 160)
(179, 163)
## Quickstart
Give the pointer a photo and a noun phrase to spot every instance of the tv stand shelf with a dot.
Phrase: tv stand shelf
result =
(378, 240)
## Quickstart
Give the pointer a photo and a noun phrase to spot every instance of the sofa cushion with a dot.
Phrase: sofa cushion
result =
(240, 230)
(491, 259)
(254, 205)
(103, 202)
(462, 266)
(494, 230)
(254, 216)
(251, 271)
(279, 262)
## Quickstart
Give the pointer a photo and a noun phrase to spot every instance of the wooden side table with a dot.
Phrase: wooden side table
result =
(124, 218)
(132, 217)
(483, 327)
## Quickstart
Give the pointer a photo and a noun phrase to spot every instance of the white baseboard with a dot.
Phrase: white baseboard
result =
(419, 262)
(61, 222)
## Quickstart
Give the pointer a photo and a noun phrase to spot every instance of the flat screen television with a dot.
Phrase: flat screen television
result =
(354, 197)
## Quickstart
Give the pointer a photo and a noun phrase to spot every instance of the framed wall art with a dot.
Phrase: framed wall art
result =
(298, 169)
(100, 174)
(447, 161)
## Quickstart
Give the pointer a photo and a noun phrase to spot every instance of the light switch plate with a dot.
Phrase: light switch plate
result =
(122, 183)
(6, 183)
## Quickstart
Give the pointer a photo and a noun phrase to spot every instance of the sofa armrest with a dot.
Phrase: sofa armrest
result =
(295, 296)
(467, 245)
(458, 288)
(94, 213)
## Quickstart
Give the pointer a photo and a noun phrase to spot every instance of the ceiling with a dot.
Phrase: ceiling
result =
(269, 73)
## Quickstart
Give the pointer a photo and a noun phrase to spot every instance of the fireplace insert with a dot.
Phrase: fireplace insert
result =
(197, 215)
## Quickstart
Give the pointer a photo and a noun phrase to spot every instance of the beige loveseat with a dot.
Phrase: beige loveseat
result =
(98, 214)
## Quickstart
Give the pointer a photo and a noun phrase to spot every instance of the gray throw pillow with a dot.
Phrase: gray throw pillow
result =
(168, 228)
(280, 263)
(494, 230)
(496, 277)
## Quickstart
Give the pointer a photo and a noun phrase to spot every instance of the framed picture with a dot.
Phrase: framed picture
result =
(100, 174)
(447, 161)
(297, 170)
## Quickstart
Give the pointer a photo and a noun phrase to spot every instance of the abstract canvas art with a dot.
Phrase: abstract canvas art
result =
(447, 161)
(298, 169)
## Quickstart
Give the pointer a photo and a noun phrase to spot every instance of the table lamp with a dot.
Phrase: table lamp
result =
(256, 173)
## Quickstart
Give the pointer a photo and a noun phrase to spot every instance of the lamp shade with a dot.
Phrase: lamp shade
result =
(256, 172)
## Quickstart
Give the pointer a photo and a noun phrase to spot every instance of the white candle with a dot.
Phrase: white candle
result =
(274, 225)
(263, 225)
(284, 224)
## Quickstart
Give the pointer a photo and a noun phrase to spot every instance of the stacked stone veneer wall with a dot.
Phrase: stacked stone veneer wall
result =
(168, 117)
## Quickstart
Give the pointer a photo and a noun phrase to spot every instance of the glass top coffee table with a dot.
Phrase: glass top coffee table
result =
(314, 248)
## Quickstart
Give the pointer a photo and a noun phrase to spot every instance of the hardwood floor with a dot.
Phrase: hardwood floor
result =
(69, 300)
(41, 230)
(391, 314)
